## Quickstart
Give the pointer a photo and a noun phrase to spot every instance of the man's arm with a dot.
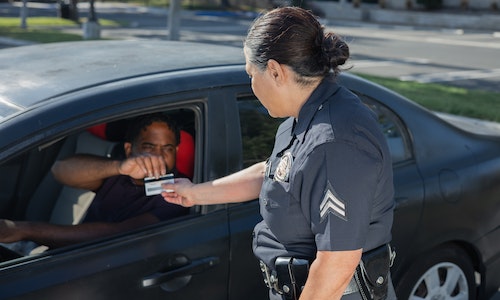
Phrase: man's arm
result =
(330, 274)
(54, 236)
(85, 171)
(88, 172)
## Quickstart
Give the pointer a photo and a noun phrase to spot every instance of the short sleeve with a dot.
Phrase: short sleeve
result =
(340, 179)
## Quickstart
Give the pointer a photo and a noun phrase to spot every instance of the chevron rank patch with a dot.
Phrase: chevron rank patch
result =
(331, 204)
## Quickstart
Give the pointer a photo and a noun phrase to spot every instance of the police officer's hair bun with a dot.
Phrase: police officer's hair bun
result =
(335, 50)
(294, 36)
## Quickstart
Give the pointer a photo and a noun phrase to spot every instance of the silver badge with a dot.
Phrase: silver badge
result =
(283, 170)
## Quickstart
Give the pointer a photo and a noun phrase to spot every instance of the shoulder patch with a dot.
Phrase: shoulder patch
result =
(331, 204)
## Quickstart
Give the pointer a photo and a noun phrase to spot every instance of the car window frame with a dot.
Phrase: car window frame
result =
(195, 102)
(399, 129)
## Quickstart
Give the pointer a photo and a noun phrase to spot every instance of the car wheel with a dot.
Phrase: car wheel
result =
(446, 273)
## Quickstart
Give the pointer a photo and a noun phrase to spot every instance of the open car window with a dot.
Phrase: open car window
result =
(31, 192)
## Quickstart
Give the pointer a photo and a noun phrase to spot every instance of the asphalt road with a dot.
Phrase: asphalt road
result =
(457, 57)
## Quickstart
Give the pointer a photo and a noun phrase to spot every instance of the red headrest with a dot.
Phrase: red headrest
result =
(98, 130)
(185, 155)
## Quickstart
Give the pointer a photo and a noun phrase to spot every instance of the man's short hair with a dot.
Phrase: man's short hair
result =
(137, 125)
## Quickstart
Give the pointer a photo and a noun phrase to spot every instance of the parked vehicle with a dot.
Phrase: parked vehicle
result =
(52, 98)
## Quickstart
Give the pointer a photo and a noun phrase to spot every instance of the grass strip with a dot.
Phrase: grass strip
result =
(39, 35)
(479, 104)
(45, 29)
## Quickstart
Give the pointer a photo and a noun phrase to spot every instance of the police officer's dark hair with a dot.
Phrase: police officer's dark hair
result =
(293, 36)
(137, 125)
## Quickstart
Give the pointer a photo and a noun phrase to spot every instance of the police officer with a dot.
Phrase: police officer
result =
(326, 192)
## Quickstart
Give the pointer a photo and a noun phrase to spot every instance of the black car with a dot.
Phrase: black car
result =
(63, 98)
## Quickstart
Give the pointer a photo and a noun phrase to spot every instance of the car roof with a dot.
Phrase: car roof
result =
(32, 74)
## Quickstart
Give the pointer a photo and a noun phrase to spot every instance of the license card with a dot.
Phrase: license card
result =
(152, 185)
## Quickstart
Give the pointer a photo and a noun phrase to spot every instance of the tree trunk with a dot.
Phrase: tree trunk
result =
(69, 10)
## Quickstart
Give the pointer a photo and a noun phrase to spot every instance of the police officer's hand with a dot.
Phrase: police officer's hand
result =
(144, 165)
(178, 192)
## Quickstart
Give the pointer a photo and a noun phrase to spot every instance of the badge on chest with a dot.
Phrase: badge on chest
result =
(282, 171)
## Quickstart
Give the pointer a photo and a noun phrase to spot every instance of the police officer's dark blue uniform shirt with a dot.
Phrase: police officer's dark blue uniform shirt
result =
(328, 183)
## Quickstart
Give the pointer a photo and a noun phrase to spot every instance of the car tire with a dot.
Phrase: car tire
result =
(441, 274)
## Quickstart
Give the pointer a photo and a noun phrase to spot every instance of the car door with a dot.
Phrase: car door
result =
(186, 259)
(256, 131)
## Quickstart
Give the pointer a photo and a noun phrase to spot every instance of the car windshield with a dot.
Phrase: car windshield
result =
(472, 125)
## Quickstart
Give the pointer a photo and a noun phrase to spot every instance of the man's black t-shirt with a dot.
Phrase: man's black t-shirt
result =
(119, 199)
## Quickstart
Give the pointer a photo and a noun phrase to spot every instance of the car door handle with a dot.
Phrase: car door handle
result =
(194, 267)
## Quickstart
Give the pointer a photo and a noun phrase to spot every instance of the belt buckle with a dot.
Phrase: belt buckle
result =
(270, 278)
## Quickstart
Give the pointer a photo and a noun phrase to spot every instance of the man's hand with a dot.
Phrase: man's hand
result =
(141, 166)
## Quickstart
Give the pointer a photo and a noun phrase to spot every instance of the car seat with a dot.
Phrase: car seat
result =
(60, 204)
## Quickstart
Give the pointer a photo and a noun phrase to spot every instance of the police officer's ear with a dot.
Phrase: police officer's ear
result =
(277, 71)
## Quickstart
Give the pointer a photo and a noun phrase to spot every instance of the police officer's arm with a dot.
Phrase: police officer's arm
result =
(238, 187)
(348, 189)
(330, 273)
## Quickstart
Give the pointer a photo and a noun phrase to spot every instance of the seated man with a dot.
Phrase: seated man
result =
(120, 203)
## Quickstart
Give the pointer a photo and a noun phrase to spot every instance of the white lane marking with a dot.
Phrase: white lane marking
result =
(417, 60)
(427, 78)
(367, 63)
(370, 63)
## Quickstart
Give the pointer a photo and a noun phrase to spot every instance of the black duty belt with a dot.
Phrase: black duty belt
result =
(291, 283)
(371, 278)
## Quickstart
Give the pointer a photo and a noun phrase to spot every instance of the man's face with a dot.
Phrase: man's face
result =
(156, 139)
